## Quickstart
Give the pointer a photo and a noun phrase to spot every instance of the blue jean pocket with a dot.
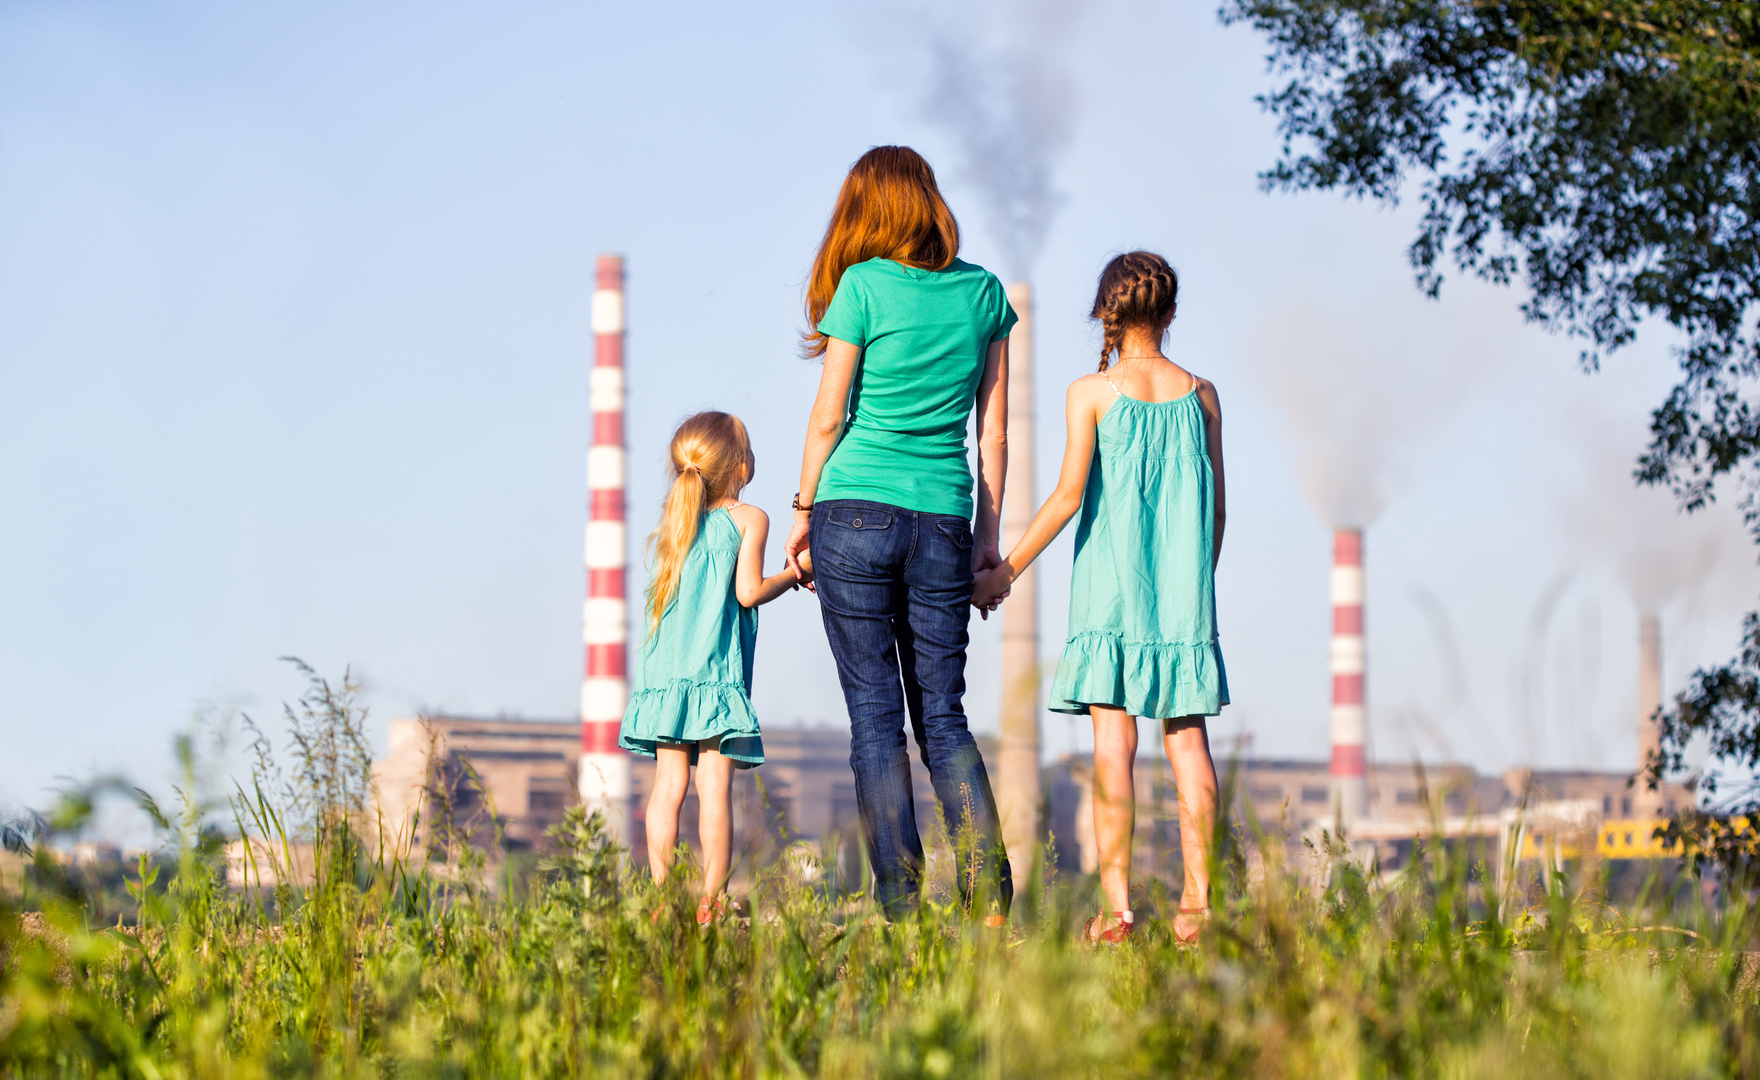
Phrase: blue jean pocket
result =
(958, 533)
(858, 517)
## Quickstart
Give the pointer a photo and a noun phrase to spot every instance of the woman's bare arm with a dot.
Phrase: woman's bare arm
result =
(1212, 406)
(992, 456)
(1082, 415)
(824, 427)
(749, 583)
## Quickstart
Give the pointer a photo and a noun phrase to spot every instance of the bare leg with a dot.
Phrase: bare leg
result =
(1115, 805)
(714, 815)
(1187, 741)
(672, 776)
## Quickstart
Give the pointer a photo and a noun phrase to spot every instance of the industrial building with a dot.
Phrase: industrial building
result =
(507, 781)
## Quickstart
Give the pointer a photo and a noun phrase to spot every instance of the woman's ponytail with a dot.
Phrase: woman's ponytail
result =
(711, 458)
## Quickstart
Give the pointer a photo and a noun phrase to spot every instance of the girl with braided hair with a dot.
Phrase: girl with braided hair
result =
(1144, 467)
(691, 704)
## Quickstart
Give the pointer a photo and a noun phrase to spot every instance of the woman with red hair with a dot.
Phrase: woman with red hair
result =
(912, 339)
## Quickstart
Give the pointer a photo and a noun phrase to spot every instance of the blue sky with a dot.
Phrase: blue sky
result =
(294, 344)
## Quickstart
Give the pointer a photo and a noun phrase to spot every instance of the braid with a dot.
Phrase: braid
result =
(1111, 334)
(1137, 288)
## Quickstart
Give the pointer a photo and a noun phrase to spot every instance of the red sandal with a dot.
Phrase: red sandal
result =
(1203, 913)
(709, 911)
(1119, 933)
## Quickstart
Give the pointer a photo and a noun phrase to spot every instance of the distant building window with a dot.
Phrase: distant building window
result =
(1625, 805)
(1607, 804)
(539, 801)
(1406, 797)
(1265, 794)
(1313, 794)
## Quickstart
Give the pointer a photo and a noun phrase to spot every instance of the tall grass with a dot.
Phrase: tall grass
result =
(382, 966)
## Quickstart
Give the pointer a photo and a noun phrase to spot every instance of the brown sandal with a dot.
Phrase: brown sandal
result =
(1203, 913)
(1120, 932)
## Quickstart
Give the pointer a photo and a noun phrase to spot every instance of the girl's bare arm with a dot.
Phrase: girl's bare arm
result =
(992, 455)
(1082, 415)
(823, 428)
(749, 583)
(1212, 406)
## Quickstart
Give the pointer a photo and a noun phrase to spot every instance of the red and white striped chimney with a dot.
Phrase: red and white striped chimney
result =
(1350, 774)
(605, 769)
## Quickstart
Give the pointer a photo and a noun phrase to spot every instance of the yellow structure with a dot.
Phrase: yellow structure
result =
(1618, 838)
(1634, 838)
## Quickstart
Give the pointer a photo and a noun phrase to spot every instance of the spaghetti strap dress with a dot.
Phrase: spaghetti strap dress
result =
(693, 677)
(1142, 608)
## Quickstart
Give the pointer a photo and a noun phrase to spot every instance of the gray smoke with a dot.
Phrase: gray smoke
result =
(1659, 552)
(997, 79)
(1362, 383)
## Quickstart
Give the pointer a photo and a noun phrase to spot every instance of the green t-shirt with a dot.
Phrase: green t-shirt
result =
(923, 335)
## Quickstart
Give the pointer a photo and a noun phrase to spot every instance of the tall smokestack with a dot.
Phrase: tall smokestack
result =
(1017, 788)
(1647, 803)
(605, 769)
(1350, 774)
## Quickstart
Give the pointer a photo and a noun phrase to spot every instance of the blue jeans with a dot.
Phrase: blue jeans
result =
(895, 590)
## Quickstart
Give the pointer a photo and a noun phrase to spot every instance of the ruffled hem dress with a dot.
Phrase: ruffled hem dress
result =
(693, 676)
(1142, 610)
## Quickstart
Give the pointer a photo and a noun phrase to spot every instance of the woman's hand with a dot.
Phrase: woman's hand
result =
(795, 551)
(985, 556)
(990, 588)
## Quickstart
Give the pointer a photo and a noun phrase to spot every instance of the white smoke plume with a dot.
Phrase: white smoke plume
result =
(1361, 385)
(996, 77)
(1660, 553)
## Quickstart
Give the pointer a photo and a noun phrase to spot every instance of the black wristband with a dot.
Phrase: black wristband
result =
(797, 503)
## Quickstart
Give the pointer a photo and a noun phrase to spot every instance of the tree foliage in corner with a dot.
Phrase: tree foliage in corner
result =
(1604, 153)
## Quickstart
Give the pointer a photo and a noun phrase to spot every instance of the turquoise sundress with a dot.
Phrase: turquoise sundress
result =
(1142, 606)
(693, 676)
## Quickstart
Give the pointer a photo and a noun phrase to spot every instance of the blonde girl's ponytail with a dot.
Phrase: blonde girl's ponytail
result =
(711, 458)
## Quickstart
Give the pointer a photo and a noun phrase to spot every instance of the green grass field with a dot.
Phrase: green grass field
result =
(387, 968)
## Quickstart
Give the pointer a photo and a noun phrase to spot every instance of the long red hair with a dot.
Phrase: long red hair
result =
(891, 207)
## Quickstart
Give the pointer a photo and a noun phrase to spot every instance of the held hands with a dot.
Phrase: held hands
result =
(796, 553)
(991, 578)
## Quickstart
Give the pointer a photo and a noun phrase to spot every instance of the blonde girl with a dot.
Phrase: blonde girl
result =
(1144, 467)
(691, 704)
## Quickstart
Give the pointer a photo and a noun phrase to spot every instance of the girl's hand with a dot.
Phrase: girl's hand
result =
(795, 547)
